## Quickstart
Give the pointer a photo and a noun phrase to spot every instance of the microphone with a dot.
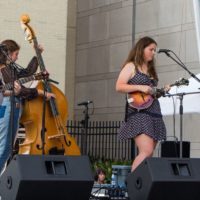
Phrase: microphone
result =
(162, 50)
(84, 103)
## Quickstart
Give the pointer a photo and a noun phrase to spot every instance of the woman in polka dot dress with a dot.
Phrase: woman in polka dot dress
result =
(146, 126)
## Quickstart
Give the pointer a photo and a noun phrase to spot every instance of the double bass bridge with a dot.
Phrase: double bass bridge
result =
(57, 136)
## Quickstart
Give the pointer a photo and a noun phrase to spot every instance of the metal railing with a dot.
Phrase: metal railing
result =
(98, 139)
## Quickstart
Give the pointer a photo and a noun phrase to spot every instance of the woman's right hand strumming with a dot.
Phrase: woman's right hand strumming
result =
(145, 89)
(17, 88)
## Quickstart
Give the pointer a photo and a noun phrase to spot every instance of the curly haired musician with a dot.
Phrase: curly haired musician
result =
(20, 92)
(138, 74)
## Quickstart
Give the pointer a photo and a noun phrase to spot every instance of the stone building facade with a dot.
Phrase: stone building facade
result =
(87, 41)
(106, 30)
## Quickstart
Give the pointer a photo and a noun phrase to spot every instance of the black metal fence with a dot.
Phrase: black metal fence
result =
(99, 139)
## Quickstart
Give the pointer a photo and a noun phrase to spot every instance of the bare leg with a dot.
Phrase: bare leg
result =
(146, 146)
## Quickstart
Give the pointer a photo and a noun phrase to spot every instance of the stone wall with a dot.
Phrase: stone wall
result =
(105, 32)
(104, 37)
(54, 23)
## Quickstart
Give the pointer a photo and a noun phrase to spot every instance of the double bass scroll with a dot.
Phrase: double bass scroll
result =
(57, 140)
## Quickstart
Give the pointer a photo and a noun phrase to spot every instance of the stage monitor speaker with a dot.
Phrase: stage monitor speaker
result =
(31, 177)
(165, 179)
(171, 149)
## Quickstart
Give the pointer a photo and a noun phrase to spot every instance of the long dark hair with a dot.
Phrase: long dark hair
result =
(136, 55)
(10, 47)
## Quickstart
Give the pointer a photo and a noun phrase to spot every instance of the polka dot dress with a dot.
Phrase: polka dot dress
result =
(148, 121)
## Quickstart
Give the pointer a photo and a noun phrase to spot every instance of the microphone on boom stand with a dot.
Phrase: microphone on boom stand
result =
(84, 103)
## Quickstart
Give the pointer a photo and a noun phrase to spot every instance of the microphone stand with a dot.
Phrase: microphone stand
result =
(181, 95)
(84, 131)
(182, 65)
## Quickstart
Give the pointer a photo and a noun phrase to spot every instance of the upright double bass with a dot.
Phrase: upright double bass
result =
(54, 139)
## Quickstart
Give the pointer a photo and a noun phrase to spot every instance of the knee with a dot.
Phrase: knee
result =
(147, 153)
